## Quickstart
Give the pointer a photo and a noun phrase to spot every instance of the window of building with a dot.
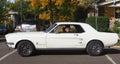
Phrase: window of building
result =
(117, 12)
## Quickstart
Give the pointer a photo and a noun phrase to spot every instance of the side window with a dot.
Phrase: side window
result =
(68, 29)
(62, 29)
(79, 29)
(58, 29)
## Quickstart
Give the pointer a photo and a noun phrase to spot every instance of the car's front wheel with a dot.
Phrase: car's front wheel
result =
(94, 48)
(25, 48)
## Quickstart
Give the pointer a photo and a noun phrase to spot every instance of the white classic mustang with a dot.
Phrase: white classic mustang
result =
(61, 35)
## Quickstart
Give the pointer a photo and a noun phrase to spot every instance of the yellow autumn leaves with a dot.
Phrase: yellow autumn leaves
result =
(37, 5)
(45, 2)
(7, 21)
(44, 16)
(58, 2)
(42, 2)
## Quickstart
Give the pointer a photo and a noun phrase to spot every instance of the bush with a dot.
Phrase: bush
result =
(118, 43)
(102, 23)
(115, 28)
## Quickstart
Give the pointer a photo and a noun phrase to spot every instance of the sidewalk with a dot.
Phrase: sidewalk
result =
(115, 47)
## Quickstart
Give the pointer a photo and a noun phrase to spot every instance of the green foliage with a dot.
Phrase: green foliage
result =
(81, 12)
(23, 8)
(64, 12)
(87, 2)
(102, 22)
(59, 10)
(118, 43)
(2, 9)
(115, 28)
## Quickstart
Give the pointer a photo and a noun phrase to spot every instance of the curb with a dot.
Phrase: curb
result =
(115, 47)
(2, 40)
(2, 36)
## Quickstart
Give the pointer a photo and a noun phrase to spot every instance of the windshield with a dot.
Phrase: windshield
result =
(47, 30)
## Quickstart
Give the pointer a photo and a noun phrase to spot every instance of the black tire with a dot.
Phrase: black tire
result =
(25, 48)
(94, 48)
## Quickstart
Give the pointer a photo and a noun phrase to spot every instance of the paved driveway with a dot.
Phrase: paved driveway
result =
(10, 56)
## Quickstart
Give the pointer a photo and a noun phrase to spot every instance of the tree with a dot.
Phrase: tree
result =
(52, 10)
(63, 9)
(3, 10)
(82, 10)
(23, 8)
(56, 10)
(80, 14)
(87, 2)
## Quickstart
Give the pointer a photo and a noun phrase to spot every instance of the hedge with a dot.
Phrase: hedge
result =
(102, 23)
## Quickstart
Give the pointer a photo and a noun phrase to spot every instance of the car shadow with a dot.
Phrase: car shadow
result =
(60, 52)
(111, 51)
(74, 52)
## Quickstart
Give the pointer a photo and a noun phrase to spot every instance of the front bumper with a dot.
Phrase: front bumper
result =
(10, 44)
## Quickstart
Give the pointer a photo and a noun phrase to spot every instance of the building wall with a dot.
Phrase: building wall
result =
(106, 11)
(109, 11)
(101, 11)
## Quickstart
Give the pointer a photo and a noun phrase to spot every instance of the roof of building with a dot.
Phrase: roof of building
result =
(70, 23)
(114, 3)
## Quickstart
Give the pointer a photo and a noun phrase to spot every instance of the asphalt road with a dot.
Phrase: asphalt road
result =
(10, 56)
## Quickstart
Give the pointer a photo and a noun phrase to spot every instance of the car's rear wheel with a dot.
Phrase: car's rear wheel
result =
(25, 48)
(94, 48)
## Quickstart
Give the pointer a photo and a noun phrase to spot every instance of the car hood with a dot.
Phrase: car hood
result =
(25, 34)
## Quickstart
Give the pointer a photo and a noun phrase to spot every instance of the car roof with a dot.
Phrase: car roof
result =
(70, 23)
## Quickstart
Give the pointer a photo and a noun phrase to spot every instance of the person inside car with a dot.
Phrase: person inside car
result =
(67, 29)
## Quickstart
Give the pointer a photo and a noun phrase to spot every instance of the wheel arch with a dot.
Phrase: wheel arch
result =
(24, 40)
(95, 40)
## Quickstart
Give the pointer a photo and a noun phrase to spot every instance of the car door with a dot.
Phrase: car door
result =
(57, 38)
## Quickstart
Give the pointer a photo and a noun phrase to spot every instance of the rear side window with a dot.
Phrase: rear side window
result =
(79, 29)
